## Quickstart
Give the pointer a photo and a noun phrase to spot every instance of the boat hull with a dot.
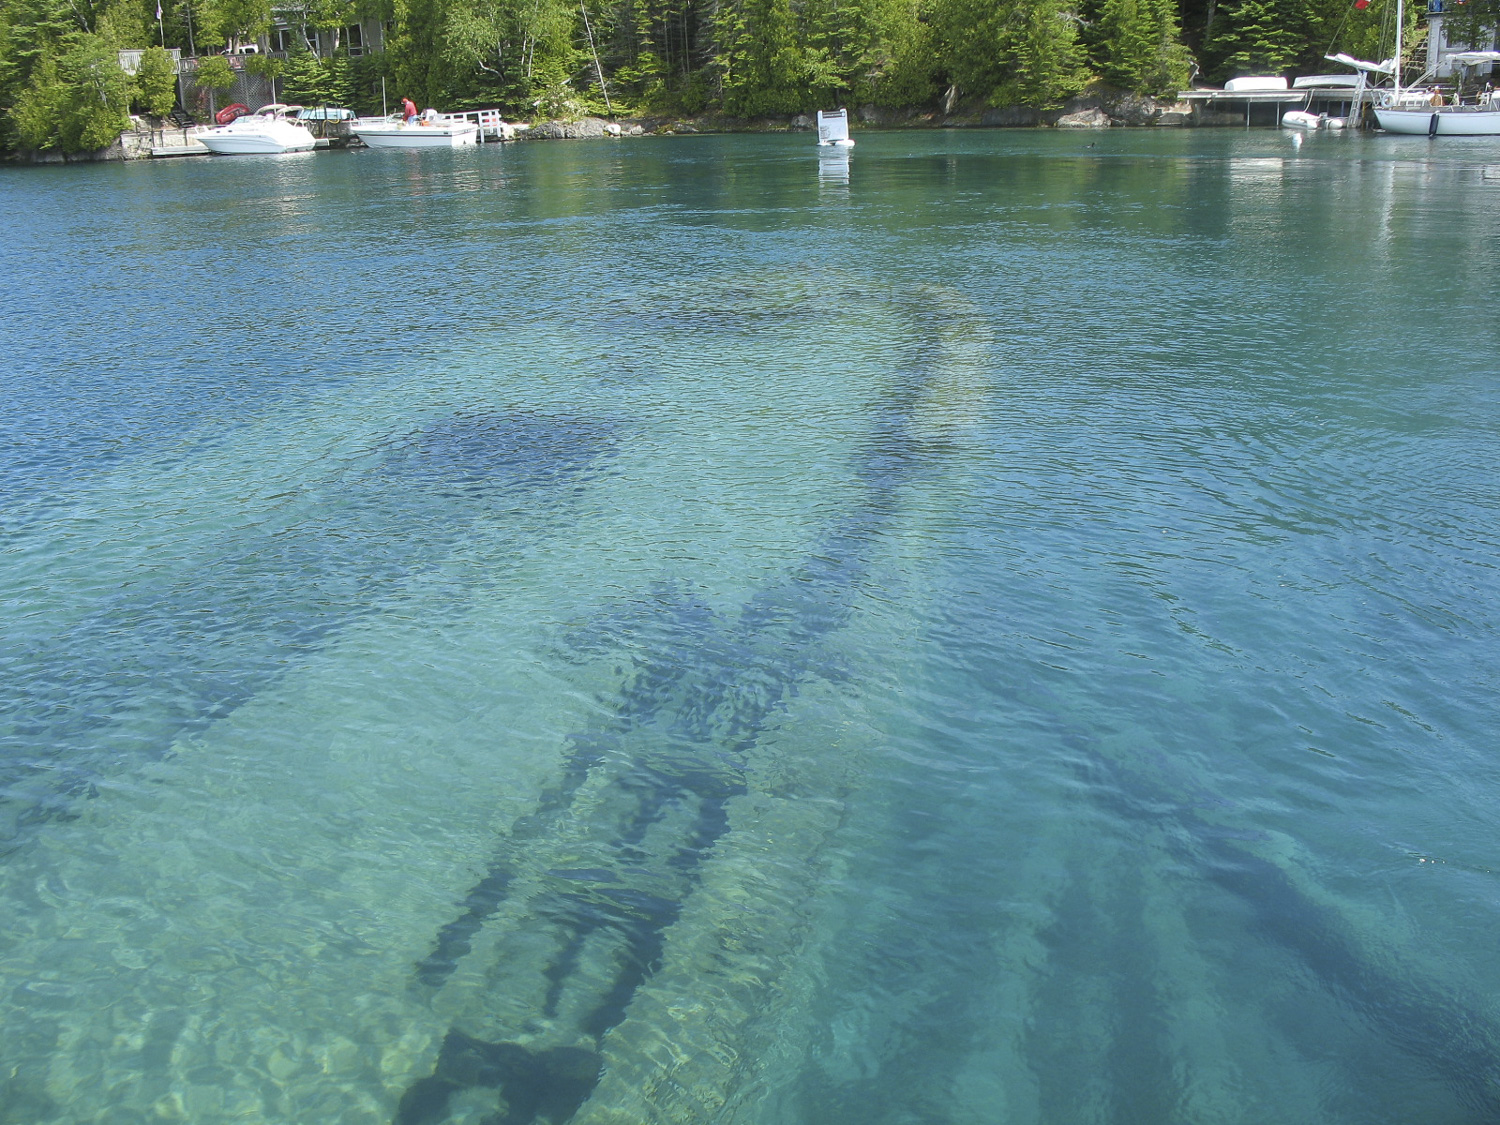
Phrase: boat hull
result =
(418, 136)
(240, 146)
(1451, 121)
(1300, 119)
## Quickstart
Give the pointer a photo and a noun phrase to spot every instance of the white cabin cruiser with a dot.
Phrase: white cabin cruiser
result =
(429, 130)
(269, 130)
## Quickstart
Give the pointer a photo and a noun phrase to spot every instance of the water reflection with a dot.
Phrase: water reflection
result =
(833, 167)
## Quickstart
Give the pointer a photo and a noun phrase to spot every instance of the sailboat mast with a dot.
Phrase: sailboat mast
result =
(1399, 22)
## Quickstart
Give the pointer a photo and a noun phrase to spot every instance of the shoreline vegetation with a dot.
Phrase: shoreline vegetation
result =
(712, 65)
(1092, 109)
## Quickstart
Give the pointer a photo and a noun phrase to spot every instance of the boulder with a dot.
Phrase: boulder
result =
(1175, 117)
(1084, 119)
(587, 128)
(802, 121)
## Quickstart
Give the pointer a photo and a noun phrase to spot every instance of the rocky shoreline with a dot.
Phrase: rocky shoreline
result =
(1096, 109)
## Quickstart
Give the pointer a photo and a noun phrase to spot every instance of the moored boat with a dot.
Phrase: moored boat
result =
(1481, 119)
(1396, 113)
(270, 130)
(431, 130)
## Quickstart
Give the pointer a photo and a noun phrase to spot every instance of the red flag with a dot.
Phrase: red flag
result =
(1361, 4)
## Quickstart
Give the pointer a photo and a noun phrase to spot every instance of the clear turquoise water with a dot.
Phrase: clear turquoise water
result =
(1002, 629)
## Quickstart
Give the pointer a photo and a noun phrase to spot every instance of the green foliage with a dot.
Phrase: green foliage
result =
(309, 80)
(765, 67)
(1474, 23)
(215, 73)
(1045, 59)
(747, 58)
(38, 112)
(365, 75)
(1256, 37)
(222, 21)
(155, 83)
(77, 104)
(1141, 48)
(1012, 52)
(901, 65)
(97, 110)
(304, 80)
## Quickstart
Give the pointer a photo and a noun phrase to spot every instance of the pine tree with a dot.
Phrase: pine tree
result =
(156, 82)
(304, 81)
(97, 106)
(1045, 61)
(1255, 37)
(1141, 50)
(763, 66)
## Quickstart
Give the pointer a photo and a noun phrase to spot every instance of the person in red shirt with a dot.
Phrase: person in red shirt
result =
(408, 110)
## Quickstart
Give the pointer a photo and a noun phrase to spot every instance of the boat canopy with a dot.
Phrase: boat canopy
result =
(1255, 84)
(1387, 67)
(1473, 58)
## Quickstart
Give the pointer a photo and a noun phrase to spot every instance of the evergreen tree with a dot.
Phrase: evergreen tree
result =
(764, 68)
(1141, 50)
(1045, 61)
(1255, 37)
(1012, 52)
(155, 82)
(77, 104)
(97, 107)
(304, 80)
(38, 111)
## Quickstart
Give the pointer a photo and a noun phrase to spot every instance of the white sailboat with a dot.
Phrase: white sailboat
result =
(1415, 110)
(1407, 112)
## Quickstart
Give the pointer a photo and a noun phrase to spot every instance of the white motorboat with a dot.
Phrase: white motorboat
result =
(269, 130)
(833, 128)
(430, 130)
